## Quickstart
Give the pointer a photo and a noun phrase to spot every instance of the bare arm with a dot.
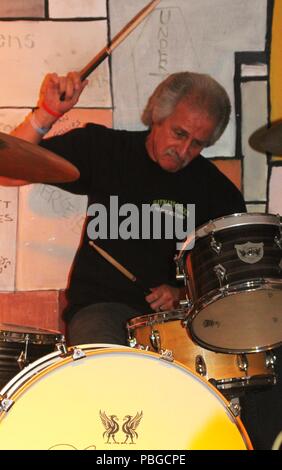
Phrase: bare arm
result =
(50, 108)
(51, 89)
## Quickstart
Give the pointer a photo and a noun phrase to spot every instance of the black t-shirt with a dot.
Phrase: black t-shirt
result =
(114, 163)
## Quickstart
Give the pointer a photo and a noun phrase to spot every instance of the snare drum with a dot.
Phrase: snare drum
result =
(114, 399)
(230, 373)
(20, 345)
(234, 283)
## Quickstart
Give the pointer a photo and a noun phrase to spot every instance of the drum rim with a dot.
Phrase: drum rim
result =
(46, 364)
(240, 219)
(155, 318)
(218, 294)
(30, 334)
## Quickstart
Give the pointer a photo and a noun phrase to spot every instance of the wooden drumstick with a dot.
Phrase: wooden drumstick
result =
(119, 37)
(120, 268)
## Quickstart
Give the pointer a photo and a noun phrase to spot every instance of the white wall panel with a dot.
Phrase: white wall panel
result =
(8, 229)
(9, 118)
(50, 225)
(275, 191)
(31, 49)
(51, 221)
(254, 98)
(261, 208)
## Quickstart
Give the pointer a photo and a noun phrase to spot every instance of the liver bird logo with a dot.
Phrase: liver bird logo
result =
(112, 427)
(129, 427)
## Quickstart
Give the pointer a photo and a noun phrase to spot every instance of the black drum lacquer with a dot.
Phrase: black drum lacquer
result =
(234, 283)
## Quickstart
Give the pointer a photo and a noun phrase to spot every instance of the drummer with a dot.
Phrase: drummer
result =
(161, 166)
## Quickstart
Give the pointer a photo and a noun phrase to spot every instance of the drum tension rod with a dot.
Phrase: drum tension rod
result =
(22, 359)
(62, 348)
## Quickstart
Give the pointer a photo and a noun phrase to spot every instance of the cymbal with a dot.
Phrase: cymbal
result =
(268, 139)
(25, 161)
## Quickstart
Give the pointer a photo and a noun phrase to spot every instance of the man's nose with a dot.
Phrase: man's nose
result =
(184, 148)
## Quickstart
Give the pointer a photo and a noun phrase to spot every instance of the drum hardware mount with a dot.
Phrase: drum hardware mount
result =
(77, 354)
(182, 275)
(166, 355)
(215, 246)
(235, 407)
(180, 270)
(5, 403)
(132, 342)
(270, 359)
(186, 304)
(62, 348)
(220, 272)
(200, 365)
(155, 339)
(242, 362)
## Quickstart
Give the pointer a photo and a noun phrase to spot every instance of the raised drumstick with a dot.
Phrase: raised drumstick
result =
(119, 37)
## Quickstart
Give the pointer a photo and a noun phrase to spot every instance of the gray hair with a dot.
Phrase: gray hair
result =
(199, 90)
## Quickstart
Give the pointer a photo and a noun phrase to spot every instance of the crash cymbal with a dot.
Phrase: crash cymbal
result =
(268, 139)
(25, 161)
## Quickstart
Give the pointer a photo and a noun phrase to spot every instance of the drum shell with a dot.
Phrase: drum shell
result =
(234, 284)
(202, 260)
(232, 374)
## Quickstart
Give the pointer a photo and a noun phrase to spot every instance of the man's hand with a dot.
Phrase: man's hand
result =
(54, 86)
(50, 106)
(164, 297)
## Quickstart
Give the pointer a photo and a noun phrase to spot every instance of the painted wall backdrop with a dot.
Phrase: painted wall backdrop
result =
(236, 41)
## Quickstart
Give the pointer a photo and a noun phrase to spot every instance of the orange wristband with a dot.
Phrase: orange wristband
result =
(50, 111)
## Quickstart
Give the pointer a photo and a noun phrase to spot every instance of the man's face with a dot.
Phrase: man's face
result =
(180, 138)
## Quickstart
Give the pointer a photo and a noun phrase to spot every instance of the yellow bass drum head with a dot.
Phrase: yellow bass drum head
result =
(114, 399)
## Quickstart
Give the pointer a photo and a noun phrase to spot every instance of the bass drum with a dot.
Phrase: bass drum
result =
(114, 399)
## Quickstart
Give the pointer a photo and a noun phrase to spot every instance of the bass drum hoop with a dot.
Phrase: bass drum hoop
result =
(29, 374)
